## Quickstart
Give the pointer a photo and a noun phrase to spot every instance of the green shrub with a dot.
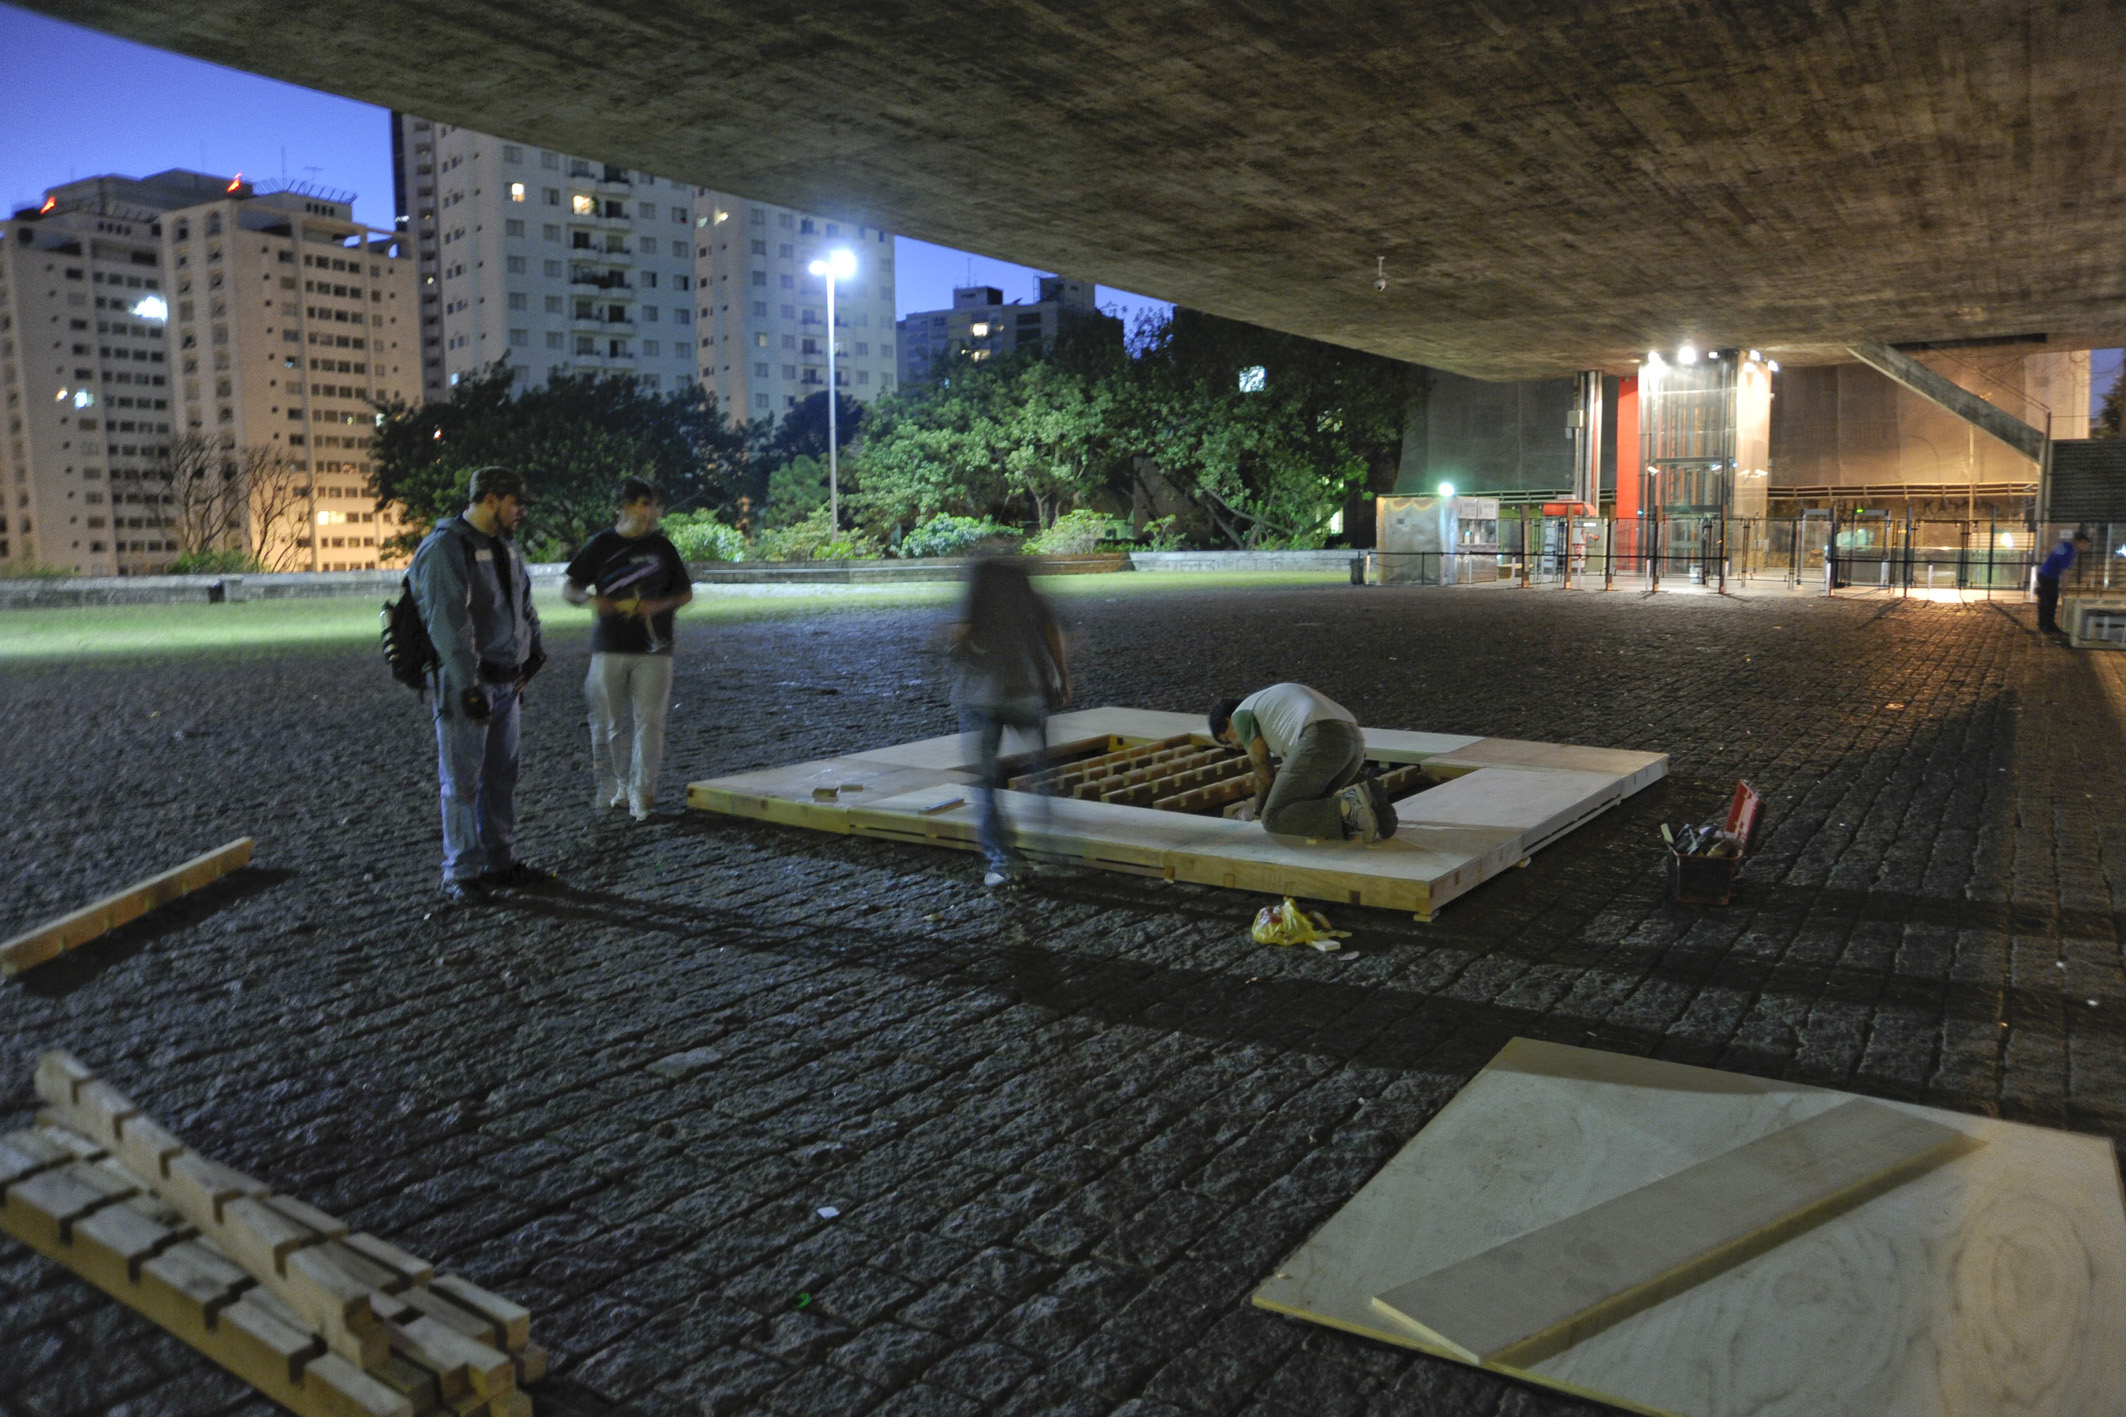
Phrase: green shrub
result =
(1072, 534)
(216, 563)
(796, 490)
(31, 570)
(945, 535)
(814, 539)
(698, 536)
(1161, 534)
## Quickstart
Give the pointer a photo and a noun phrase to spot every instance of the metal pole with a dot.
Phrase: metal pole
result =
(1992, 537)
(1609, 551)
(1723, 549)
(834, 481)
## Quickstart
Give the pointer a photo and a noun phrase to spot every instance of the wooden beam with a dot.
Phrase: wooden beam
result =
(184, 1287)
(54, 938)
(225, 1205)
(1518, 1303)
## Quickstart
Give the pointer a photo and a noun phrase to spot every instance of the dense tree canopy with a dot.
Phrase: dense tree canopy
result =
(1229, 434)
(573, 438)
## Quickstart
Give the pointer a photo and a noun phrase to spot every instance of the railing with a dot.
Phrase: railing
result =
(1827, 554)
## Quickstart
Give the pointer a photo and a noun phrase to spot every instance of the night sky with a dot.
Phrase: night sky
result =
(76, 103)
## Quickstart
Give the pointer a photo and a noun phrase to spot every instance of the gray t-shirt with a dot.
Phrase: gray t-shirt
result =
(1280, 713)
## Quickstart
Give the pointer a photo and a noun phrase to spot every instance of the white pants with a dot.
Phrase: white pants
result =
(641, 684)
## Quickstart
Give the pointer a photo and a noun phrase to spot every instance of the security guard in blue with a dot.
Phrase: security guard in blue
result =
(474, 593)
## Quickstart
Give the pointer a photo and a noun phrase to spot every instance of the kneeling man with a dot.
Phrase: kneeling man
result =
(1316, 792)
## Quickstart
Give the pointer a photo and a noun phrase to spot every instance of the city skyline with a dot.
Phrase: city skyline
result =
(77, 103)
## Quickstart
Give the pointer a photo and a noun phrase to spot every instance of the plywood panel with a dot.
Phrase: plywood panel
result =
(1514, 753)
(1994, 1283)
(1452, 837)
(1401, 745)
(1540, 1293)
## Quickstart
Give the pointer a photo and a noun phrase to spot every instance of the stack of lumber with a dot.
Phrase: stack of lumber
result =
(325, 1322)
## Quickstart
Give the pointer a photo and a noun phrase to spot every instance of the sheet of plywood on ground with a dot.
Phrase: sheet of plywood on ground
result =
(1995, 1282)
(1540, 1293)
(54, 938)
(790, 795)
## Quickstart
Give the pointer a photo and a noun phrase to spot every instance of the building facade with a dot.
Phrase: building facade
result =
(982, 325)
(550, 263)
(186, 321)
(763, 313)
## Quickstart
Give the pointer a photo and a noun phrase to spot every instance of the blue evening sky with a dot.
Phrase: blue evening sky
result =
(78, 103)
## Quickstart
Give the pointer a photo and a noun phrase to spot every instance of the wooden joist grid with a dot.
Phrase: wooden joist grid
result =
(55, 937)
(320, 1319)
(1068, 775)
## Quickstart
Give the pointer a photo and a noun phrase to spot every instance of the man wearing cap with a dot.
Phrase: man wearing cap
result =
(2048, 578)
(474, 594)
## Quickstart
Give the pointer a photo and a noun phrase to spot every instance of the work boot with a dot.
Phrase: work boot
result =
(465, 892)
(1384, 820)
(1355, 805)
(518, 875)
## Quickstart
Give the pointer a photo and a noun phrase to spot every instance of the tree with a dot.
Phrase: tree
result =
(207, 494)
(2111, 414)
(572, 438)
(280, 507)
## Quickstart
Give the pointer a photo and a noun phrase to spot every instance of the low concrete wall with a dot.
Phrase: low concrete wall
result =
(1243, 560)
(880, 572)
(38, 592)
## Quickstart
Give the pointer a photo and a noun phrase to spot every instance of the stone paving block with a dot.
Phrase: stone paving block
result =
(1074, 1123)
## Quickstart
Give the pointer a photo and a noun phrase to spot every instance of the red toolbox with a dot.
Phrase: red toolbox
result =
(1708, 880)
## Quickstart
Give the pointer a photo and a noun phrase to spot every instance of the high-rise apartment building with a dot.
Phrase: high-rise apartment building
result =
(289, 321)
(138, 315)
(551, 263)
(763, 313)
(982, 325)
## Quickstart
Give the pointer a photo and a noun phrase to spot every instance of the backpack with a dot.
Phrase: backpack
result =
(409, 653)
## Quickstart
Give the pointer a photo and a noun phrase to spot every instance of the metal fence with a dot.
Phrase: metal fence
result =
(1827, 553)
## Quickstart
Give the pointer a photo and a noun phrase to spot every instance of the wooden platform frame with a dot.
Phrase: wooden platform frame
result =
(1503, 800)
(1983, 1278)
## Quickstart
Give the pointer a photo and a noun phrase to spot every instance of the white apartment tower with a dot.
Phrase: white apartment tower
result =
(553, 263)
(85, 370)
(763, 314)
(136, 311)
(289, 320)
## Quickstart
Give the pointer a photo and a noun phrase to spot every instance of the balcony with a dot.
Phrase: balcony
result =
(603, 280)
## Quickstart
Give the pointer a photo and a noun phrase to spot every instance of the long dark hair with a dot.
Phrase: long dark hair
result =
(1001, 604)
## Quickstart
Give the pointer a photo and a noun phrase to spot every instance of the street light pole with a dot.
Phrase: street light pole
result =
(836, 265)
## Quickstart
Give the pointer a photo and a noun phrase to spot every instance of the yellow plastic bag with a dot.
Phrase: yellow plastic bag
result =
(1287, 924)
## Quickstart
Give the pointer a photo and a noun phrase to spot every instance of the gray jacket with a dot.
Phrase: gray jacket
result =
(460, 597)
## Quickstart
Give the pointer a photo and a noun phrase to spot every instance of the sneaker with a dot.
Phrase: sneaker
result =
(639, 809)
(1001, 872)
(611, 800)
(1355, 804)
(465, 892)
(518, 875)
(1384, 820)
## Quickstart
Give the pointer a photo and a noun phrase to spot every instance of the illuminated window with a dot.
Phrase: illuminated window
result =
(978, 329)
(1252, 379)
(583, 204)
(516, 191)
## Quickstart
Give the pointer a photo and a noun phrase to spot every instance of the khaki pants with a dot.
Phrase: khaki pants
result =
(627, 758)
(1302, 801)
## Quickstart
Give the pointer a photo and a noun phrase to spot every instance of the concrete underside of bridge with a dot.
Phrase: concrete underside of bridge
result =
(1550, 191)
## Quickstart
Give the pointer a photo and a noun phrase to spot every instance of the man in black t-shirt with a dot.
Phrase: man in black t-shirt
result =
(633, 579)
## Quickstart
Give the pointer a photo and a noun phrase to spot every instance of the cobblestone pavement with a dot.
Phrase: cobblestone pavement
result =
(1068, 1128)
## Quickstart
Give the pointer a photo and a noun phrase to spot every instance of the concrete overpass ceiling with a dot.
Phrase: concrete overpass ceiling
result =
(1552, 189)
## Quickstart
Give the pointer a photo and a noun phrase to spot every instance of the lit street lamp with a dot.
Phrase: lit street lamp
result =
(838, 264)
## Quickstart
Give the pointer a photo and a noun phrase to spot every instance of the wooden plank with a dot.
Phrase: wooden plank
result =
(1538, 1294)
(205, 1302)
(55, 937)
(1900, 1307)
(511, 1320)
(226, 1206)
